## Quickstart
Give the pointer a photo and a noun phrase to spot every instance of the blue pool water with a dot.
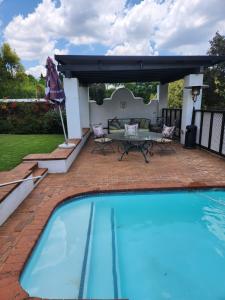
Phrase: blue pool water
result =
(141, 246)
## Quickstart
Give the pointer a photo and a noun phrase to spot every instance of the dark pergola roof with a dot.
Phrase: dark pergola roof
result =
(113, 69)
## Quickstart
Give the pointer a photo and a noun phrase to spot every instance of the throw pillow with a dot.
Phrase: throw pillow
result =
(131, 129)
(144, 124)
(98, 130)
(114, 124)
(168, 131)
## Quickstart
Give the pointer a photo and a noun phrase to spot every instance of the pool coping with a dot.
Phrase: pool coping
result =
(15, 263)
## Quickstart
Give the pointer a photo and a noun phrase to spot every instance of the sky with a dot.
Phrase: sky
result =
(37, 29)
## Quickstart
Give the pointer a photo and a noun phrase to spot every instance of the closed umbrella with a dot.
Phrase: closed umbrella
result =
(54, 92)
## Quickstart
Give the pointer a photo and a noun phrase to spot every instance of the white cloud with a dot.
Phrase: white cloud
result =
(78, 22)
(32, 36)
(189, 25)
(148, 28)
(133, 48)
(36, 71)
(133, 32)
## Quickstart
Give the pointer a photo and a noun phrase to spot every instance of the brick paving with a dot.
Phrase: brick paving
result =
(95, 172)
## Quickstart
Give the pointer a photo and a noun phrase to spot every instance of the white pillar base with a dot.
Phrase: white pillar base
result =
(66, 146)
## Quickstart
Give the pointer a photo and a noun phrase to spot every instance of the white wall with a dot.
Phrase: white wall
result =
(71, 87)
(112, 108)
(163, 97)
(188, 103)
(13, 200)
(84, 106)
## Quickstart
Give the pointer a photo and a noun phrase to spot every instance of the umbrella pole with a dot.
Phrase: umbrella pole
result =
(64, 131)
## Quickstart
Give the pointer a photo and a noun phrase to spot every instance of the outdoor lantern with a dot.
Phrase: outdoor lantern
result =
(195, 90)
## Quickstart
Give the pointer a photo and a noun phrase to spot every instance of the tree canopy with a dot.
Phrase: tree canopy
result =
(145, 90)
(214, 96)
(14, 82)
(175, 94)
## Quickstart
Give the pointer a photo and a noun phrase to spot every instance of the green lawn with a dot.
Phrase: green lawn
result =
(14, 147)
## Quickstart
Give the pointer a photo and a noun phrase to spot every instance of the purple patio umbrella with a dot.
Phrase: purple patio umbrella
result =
(54, 93)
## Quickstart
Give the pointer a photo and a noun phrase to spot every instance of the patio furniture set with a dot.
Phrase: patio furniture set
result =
(131, 135)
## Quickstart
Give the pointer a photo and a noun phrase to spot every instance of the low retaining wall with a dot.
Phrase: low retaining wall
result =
(52, 163)
(62, 165)
(13, 200)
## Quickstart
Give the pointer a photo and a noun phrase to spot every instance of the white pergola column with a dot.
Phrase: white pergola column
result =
(71, 88)
(84, 106)
(188, 103)
(163, 97)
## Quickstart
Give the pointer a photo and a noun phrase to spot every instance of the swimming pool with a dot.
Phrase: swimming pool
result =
(141, 246)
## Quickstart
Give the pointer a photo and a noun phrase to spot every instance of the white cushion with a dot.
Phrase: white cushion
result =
(98, 130)
(103, 140)
(131, 129)
(168, 131)
(163, 140)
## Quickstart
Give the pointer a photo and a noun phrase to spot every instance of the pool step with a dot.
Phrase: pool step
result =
(114, 256)
(63, 266)
(101, 279)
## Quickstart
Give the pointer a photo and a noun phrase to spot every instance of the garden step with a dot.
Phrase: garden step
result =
(25, 167)
(22, 171)
(56, 154)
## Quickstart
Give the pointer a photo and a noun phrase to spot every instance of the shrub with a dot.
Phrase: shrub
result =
(27, 118)
(52, 122)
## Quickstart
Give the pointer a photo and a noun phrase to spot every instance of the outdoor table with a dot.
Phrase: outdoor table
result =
(141, 142)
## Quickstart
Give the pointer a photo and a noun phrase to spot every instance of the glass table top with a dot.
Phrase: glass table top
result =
(139, 136)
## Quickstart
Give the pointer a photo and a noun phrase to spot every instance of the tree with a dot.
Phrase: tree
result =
(214, 96)
(175, 94)
(145, 90)
(14, 82)
(11, 60)
(97, 92)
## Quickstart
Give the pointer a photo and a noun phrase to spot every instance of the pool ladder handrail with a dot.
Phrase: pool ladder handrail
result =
(19, 181)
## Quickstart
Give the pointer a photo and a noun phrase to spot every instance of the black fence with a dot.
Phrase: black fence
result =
(172, 117)
(210, 130)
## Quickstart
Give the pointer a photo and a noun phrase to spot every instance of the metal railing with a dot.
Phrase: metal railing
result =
(172, 117)
(18, 181)
(210, 130)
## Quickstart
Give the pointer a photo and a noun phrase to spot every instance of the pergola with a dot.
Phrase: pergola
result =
(81, 70)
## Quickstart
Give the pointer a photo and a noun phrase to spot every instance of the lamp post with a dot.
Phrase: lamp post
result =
(191, 130)
(195, 90)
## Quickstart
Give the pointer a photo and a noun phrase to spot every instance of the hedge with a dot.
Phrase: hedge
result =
(30, 118)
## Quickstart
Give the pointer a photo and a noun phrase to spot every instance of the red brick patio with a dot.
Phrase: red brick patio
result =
(95, 172)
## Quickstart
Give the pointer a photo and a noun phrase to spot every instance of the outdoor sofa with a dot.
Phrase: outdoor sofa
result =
(118, 125)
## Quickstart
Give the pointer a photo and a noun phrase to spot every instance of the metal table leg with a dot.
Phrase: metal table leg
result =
(140, 147)
(126, 147)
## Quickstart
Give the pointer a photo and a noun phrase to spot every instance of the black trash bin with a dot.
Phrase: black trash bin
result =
(190, 136)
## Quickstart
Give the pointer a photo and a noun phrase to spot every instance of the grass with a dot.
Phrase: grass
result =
(14, 147)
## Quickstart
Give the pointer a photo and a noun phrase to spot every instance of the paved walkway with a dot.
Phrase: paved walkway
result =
(95, 172)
